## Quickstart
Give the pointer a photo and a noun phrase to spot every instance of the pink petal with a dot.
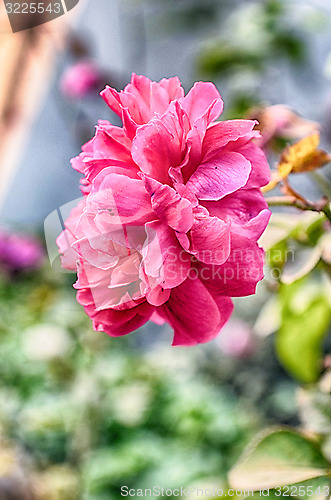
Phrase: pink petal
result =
(69, 256)
(157, 147)
(220, 176)
(221, 133)
(101, 259)
(260, 174)
(115, 147)
(124, 198)
(210, 238)
(157, 319)
(173, 87)
(97, 170)
(238, 207)
(120, 295)
(129, 125)
(202, 99)
(112, 99)
(194, 314)
(255, 227)
(170, 206)
(114, 322)
(158, 296)
(143, 98)
(239, 275)
(164, 258)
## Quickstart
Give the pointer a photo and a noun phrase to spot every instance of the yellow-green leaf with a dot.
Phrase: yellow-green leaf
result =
(278, 457)
(306, 316)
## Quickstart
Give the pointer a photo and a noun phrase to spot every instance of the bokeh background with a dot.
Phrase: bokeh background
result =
(82, 414)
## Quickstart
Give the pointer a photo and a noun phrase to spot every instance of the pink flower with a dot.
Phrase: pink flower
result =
(19, 252)
(237, 340)
(172, 211)
(80, 79)
(279, 121)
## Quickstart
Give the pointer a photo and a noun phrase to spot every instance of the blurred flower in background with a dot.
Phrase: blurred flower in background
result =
(237, 339)
(280, 122)
(81, 79)
(19, 252)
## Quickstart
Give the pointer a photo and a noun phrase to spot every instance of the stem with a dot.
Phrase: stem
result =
(290, 201)
(327, 211)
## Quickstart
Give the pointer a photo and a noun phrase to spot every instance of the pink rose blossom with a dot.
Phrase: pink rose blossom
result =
(168, 226)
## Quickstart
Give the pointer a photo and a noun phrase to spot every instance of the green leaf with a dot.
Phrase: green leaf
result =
(278, 457)
(305, 261)
(306, 315)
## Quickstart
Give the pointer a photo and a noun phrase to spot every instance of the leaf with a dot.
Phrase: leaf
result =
(278, 457)
(282, 172)
(306, 259)
(306, 315)
(298, 226)
(326, 247)
(268, 320)
(302, 156)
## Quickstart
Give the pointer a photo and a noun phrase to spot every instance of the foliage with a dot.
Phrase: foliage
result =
(89, 413)
(284, 461)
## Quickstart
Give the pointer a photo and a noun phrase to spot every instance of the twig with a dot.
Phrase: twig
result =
(289, 201)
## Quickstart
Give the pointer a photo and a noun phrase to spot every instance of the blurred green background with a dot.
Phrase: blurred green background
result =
(82, 414)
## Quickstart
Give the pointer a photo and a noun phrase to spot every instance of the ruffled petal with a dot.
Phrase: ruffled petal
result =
(260, 174)
(202, 100)
(143, 98)
(158, 146)
(194, 314)
(238, 207)
(220, 134)
(115, 322)
(220, 176)
(170, 207)
(210, 238)
(164, 259)
(239, 275)
(126, 200)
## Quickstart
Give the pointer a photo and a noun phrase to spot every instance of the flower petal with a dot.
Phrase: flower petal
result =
(158, 296)
(194, 314)
(260, 174)
(220, 134)
(158, 146)
(210, 237)
(164, 258)
(220, 176)
(126, 200)
(115, 322)
(143, 98)
(239, 275)
(170, 206)
(203, 99)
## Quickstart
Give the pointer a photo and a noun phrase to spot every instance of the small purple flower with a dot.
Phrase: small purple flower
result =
(19, 252)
